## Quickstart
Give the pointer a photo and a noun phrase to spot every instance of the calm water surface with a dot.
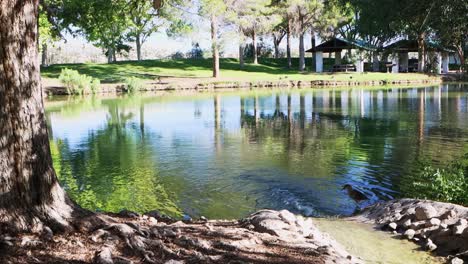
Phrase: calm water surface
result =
(226, 155)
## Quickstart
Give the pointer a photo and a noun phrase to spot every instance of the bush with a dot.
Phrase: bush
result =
(78, 84)
(446, 184)
(133, 85)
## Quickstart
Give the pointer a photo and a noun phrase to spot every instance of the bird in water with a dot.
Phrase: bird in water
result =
(356, 195)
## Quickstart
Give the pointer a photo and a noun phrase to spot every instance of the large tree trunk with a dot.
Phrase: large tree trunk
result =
(461, 55)
(138, 47)
(109, 55)
(421, 52)
(241, 55)
(375, 61)
(301, 53)
(288, 45)
(214, 46)
(29, 190)
(301, 47)
(312, 41)
(44, 55)
(254, 44)
(276, 42)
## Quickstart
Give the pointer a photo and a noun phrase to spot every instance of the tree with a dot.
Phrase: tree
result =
(414, 20)
(143, 23)
(145, 20)
(254, 17)
(372, 21)
(31, 194)
(214, 10)
(304, 15)
(104, 23)
(450, 24)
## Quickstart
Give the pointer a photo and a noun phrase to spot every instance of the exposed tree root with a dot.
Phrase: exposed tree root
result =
(265, 237)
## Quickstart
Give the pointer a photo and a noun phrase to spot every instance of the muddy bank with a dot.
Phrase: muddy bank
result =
(54, 87)
(441, 228)
(264, 237)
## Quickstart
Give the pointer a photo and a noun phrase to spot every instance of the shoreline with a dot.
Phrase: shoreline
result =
(266, 236)
(52, 87)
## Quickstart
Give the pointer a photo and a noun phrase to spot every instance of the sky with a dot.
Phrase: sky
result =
(159, 45)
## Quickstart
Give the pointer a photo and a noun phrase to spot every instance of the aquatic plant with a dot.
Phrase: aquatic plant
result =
(133, 84)
(78, 84)
(447, 183)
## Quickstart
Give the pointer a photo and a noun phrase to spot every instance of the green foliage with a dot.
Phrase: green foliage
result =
(133, 85)
(79, 84)
(447, 184)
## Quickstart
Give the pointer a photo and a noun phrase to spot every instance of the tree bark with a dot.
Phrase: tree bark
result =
(276, 45)
(312, 41)
(421, 52)
(138, 47)
(241, 55)
(109, 55)
(301, 46)
(29, 190)
(44, 55)
(288, 44)
(254, 44)
(301, 53)
(461, 55)
(214, 46)
(375, 61)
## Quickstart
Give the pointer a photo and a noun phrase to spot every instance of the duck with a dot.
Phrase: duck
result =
(356, 195)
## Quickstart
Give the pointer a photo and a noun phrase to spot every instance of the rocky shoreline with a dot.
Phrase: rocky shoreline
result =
(266, 236)
(441, 228)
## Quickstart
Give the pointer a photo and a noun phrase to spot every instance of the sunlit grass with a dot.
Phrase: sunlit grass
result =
(267, 70)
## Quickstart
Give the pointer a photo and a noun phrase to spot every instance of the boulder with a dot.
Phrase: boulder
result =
(430, 246)
(393, 226)
(456, 261)
(460, 226)
(433, 222)
(425, 211)
(409, 233)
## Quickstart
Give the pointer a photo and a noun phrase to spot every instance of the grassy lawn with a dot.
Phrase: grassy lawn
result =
(267, 70)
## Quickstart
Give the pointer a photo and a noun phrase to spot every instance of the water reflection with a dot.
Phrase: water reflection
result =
(226, 155)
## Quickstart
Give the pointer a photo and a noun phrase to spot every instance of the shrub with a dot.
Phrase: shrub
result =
(78, 84)
(446, 184)
(133, 85)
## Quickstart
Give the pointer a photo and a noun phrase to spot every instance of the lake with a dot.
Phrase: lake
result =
(227, 154)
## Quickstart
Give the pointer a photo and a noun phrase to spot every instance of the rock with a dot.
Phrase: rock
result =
(433, 222)
(104, 256)
(287, 216)
(449, 214)
(393, 226)
(442, 232)
(418, 225)
(430, 246)
(153, 220)
(407, 223)
(460, 226)
(128, 214)
(173, 261)
(202, 218)
(47, 233)
(409, 233)
(456, 261)
(425, 211)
